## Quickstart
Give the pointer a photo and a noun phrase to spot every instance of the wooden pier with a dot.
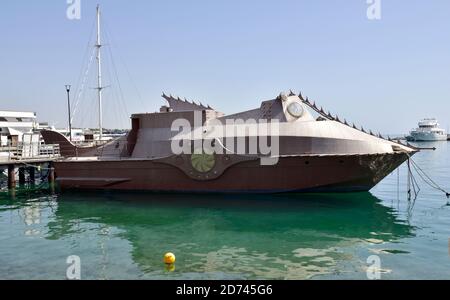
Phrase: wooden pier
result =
(29, 167)
(22, 161)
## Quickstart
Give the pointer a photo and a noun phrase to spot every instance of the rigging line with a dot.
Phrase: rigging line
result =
(119, 97)
(116, 74)
(115, 104)
(81, 90)
(84, 58)
(124, 64)
(86, 51)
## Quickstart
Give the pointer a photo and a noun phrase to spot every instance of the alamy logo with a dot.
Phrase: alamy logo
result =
(374, 269)
(374, 10)
(73, 10)
(241, 137)
(74, 270)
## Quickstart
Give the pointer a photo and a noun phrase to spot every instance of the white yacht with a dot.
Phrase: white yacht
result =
(428, 131)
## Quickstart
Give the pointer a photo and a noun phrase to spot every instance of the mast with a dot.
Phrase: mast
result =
(99, 72)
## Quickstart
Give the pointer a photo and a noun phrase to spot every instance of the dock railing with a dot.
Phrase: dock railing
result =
(29, 151)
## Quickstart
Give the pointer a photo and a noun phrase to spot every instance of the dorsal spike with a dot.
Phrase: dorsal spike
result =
(314, 105)
(321, 110)
(337, 119)
(371, 132)
(362, 129)
(300, 96)
(354, 126)
(291, 93)
(345, 122)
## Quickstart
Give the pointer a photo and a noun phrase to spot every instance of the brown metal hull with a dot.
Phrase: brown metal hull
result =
(350, 173)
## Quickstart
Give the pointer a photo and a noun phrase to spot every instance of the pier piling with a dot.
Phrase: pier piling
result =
(32, 173)
(11, 177)
(21, 176)
(51, 174)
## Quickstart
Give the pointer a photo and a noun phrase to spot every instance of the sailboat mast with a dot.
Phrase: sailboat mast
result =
(99, 78)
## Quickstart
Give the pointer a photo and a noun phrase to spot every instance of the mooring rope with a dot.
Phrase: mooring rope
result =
(426, 178)
(412, 182)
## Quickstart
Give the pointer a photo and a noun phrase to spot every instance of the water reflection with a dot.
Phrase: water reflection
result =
(217, 236)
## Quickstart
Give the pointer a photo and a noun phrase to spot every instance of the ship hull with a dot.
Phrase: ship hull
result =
(426, 137)
(327, 173)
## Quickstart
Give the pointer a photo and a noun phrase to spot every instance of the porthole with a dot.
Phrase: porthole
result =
(295, 109)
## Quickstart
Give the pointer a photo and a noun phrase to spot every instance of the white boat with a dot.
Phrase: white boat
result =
(427, 131)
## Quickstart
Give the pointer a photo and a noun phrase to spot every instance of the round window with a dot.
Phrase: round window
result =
(295, 109)
(203, 162)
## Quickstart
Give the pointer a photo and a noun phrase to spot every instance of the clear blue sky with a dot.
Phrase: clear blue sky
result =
(233, 54)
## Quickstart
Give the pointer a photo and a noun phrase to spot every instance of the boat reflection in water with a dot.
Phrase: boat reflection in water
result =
(239, 237)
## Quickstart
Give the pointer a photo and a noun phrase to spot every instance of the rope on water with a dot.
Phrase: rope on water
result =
(412, 182)
(427, 179)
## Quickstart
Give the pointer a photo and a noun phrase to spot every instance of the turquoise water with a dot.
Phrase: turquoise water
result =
(125, 235)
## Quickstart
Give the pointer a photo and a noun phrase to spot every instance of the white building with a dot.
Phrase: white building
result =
(14, 124)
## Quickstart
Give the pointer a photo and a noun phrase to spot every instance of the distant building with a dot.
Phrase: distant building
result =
(14, 124)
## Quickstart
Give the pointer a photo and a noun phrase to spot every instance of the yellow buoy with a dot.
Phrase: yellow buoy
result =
(169, 258)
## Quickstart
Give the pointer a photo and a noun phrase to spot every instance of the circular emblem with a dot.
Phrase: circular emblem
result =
(295, 109)
(203, 162)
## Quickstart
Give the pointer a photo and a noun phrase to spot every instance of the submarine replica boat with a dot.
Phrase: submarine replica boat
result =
(316, 152)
